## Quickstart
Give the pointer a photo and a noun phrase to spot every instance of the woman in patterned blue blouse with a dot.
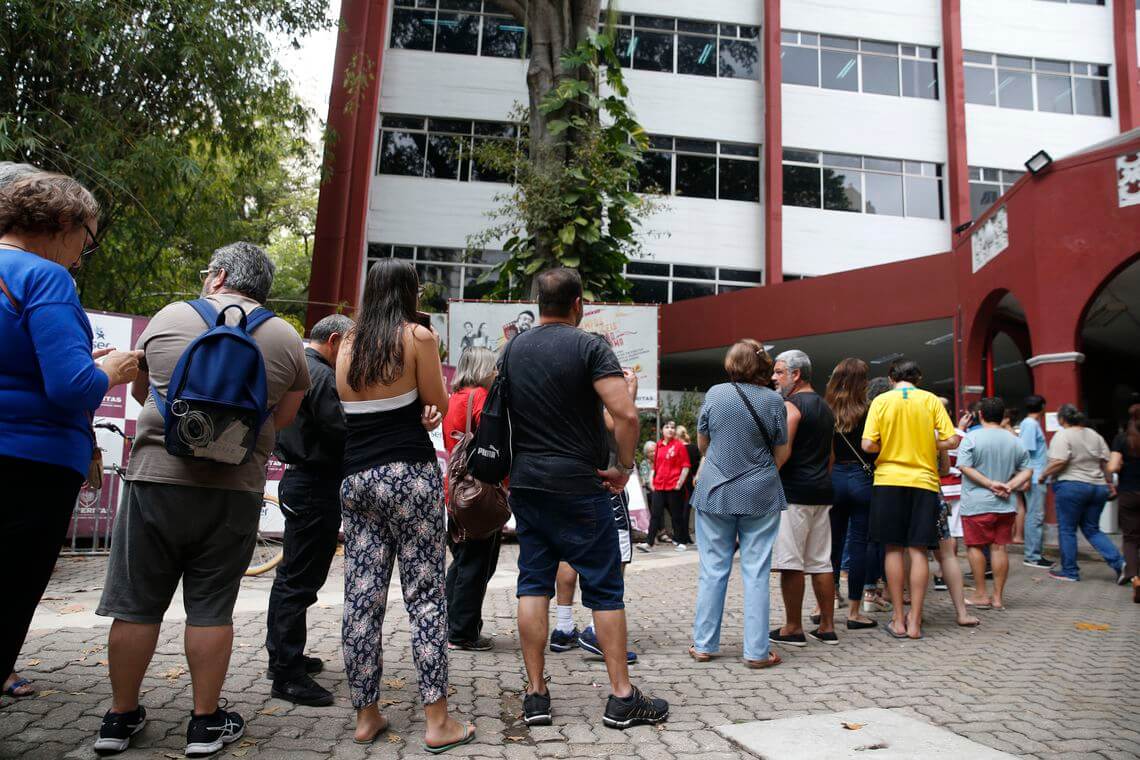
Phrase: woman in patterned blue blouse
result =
(742, 427)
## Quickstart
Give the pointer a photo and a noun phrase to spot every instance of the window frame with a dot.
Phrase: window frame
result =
(434, 9)
(628, 23)
(723, 278)
(467, 139)
(1036, 68)
(820, 43)
(718, 154)
(917, 170)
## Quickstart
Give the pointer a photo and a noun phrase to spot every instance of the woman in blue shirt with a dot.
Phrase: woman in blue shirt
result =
(742, 429)
(50, 385)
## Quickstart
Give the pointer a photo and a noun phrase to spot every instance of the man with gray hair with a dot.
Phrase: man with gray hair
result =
(803, 545)
(192, 521)
(312, 449)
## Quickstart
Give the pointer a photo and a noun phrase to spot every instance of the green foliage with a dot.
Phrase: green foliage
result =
(175, 114)
(571, 203)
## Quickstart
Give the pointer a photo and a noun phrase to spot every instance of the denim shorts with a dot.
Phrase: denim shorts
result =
(575, 528)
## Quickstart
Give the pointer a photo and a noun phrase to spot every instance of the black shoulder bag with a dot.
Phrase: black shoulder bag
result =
(755, 416)
(862, 462)
(489, 455)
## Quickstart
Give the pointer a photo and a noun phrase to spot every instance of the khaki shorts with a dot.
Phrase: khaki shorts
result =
(804, 541)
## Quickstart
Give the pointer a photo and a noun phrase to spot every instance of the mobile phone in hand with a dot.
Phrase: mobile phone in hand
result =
(422, 318)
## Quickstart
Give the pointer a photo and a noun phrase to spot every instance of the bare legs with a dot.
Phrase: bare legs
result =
(609, 625)
(999, 559)
(901, 622)
(129, 649)
(978, 565)
(952, 574)
(792, 588)
(565, 584)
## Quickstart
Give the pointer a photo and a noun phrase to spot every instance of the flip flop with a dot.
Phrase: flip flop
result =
(374, 737)
(891, 632)
(699, 656)
(998, 609)
(19, 683)
(773, 660)
(468, 737)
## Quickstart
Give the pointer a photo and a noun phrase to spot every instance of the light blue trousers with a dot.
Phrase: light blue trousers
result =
(1034, 520)
(717, 536)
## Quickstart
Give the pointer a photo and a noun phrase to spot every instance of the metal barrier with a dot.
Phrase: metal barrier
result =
(94, 516)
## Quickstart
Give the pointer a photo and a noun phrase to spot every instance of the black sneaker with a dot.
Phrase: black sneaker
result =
(636, 709)
(563, 642)
(117, 729)
(207, 734)
(792, 639)
(1040, 564)
(536, 709)
(481, 644)
(825, 638)
(302, 691)
(940, 583)
(313, 665)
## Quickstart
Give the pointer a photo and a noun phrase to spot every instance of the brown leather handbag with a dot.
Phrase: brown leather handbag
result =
(474, 509)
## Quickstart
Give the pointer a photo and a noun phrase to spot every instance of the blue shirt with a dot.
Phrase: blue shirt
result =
(997, 454)
(1033, 439)
(49, 384)
(738, 474)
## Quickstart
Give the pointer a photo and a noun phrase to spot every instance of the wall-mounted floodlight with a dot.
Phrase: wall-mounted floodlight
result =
(1038, 162)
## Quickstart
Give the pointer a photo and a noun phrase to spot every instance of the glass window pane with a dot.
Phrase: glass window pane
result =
(696, 176)
(402, 122)
(838, 70)
(792, 37)
(739, 149)
(502, 37)
(1057, 67)
(799, 65)
(472, 288)
(457, 33)
(731, 288)
(460, 5)
(654, 22)
(696, 146)
(739, 180)
(980, 86)
(649, 291)
(842, 159)
(881, 74)
(624, 46)
(924, 197)
(884, 194)
(971, 57)
(807, 38)
(696, 55)
(1092, 97)
(441, 254)
(1015, 89)
(700, 273)
(647, 267)
(652, 51)
(450, 126)
(801, 186)
(740, 59)
(883, 164)
(403, 252)
(1012, 62)
(1054, 94)
(685, 290)
(920, 79)
(655, 173)
(439, 283)
(481, 170)
(443, 157)
(803, 156)
(842, 190)
(700, 27)
(750, 32)
(982, 196)
(975, 172)
(412, 30)
(844, 43)
(742, 275)
(402, 153)
(887, 48)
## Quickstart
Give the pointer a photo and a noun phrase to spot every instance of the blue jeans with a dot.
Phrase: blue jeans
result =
(716, 541)
(853, 497)
(1079, 505)
(1034, 520)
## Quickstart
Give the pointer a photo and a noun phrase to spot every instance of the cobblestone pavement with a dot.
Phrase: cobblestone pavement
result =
(1029, 682)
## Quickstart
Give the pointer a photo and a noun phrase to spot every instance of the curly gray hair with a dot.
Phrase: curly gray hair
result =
(333, 323)
(248, 270)
(796, 359)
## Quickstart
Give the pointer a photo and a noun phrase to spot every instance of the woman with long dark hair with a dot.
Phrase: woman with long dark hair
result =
(852, 476)
(1125, 463)
(391, 386)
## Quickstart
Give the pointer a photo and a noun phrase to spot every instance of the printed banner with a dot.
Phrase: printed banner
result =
(631, 329)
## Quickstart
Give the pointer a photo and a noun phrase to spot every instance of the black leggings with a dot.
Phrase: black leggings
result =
(33, 523)
(674, 501)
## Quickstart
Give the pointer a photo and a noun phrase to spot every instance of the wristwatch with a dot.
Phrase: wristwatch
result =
(623, 469)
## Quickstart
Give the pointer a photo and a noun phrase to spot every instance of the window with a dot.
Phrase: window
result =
(862, 184)
(987, 185)
(444, 273)
(1037, 84)
(1085, 2)
(701, 169)
(461, 27)
(666, 283)
(418, 146)
(854, 65)
(699, 48)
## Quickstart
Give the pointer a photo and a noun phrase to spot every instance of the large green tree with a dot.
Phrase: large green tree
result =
(175, 113)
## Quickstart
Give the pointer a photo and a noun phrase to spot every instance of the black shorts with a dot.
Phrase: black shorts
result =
(904, 516)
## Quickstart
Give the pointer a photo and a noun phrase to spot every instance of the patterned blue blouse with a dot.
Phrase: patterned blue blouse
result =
(739, 475)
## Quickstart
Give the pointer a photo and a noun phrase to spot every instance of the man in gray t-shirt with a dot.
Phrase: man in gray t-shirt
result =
(994, 465)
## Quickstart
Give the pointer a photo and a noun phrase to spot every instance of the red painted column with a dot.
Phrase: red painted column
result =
(773, 147)
(341, 209)
(957, 165)
(1127, 65)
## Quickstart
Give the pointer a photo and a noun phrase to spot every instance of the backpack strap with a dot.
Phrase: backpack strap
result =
(470, 404)
(257, 318)
(205, 310)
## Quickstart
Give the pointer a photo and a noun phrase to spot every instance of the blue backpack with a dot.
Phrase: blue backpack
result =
(217, 399)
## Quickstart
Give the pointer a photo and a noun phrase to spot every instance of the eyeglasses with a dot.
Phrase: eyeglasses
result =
(203, 274)
(89, 247)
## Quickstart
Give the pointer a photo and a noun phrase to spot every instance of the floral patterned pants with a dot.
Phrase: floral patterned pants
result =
(394, 511)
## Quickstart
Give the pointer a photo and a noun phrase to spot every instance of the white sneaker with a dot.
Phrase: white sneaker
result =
(681, 548)
(643, 547)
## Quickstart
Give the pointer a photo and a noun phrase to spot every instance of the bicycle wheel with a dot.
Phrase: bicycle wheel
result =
(269, 550)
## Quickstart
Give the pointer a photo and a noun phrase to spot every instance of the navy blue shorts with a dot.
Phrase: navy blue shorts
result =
(575, 528)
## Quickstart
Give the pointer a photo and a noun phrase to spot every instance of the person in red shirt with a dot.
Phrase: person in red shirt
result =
(473, 561)
(671, 466)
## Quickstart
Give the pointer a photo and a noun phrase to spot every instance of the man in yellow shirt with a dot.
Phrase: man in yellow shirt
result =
(906, 427)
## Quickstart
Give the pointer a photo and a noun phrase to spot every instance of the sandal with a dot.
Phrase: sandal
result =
(699, 656)
(19, 683)
(893, 634)
(468, 737)
(985, 606)
(773, 660)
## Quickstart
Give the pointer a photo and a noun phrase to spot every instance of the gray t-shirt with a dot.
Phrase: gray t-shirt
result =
(1084, 450)
(164, 340)
(997, 454)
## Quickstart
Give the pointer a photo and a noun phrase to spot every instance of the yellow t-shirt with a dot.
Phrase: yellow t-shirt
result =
(904, 422)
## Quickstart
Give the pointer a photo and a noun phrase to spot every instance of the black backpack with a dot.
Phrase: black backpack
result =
(489, 454)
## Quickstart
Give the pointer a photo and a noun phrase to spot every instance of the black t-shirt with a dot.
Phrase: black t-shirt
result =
(1130, 472)
(558, 433)
(849, 445)
(806, 477)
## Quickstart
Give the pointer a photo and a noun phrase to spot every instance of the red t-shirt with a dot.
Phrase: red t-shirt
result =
(671, 458)
(455, 421)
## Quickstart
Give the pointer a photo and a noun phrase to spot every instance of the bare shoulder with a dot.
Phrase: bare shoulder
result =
(420, 334)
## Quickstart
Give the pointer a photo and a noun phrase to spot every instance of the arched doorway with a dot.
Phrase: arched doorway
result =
(1110, 339)
(1004, 371)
